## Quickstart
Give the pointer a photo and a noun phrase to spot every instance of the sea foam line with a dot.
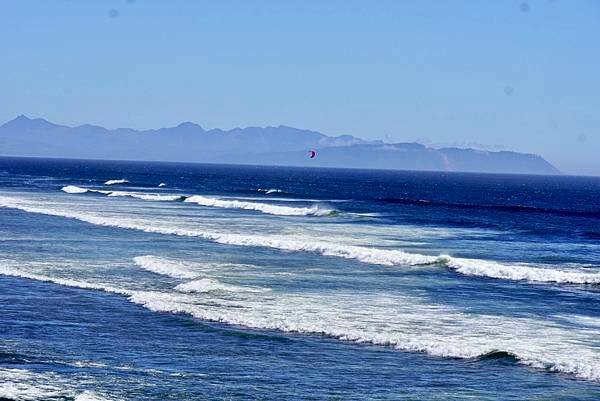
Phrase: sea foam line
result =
(462, 335)
(24, 385)
(384, 257)
(73, 189)
(210, 285)
(119, 181)
(280, 210)
(259, 206)
(520, 272)
(268, 191)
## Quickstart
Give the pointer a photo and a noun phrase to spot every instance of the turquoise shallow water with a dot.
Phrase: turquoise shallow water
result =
(280, 283)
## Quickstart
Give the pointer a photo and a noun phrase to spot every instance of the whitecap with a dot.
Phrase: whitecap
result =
(268, 208)
(404, 322)
(147, 196)
(211, 285)
(166, 267)
(72, 189)
(89, 396)
(25, 385)
(385, 257)
(270, 191)
(113, 182)
(314, 210)
(520, 271)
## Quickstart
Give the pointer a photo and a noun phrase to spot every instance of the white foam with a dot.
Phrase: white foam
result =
(270, 191)
(25, 385)
(20, 384)
(72, 189)
(113, 182)
(210, 285)
(268, 208)
(162, 184)
(516, 272)
(89, 396)
(147, 196)
(167, 267)
(401, 321)
(7, 270)
(385, 257)
(259, 206)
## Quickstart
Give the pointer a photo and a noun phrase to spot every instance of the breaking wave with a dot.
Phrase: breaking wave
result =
(148, 197)
(167, 267)
(270, 191)
(261, 207)
(72, 189)
(520, 272)
(377, 256)
(119, 181)
(497, 355)
(210, 285)
(402, 322)
(25, 385)
(280, 210)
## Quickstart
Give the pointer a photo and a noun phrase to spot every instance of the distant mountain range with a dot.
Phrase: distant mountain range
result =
(280, 145)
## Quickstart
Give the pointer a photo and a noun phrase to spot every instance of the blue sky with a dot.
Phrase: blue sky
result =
(494, 74)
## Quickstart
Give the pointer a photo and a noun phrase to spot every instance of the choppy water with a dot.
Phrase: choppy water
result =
(174, 281)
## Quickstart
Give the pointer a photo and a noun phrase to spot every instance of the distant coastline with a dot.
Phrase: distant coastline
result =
(269, 146)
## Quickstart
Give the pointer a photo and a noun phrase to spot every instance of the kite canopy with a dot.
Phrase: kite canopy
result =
(312, 154)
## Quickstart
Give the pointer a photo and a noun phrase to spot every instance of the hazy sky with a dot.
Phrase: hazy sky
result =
(523, 76)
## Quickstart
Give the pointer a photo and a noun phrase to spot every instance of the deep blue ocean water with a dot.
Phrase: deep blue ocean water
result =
(183, 281)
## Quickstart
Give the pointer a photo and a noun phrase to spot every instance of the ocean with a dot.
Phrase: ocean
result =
(174, 281)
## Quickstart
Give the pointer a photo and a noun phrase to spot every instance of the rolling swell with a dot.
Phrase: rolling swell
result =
(370, 255)
(117, 181)
(463, 336)
(503, 208)
(498, 355)
(13, 358)
(72, 189)
(268, 208)
(521, 272)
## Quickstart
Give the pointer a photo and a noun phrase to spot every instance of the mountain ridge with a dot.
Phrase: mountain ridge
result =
(271, 145)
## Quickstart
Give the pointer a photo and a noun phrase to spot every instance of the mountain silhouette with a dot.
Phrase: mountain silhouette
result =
(282, 145)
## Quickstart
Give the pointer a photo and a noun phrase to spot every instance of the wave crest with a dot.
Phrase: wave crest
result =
(402, 322)
(210, 285)
(119, 181)
(268, 208)
(519, 272)
(72, 189)
(166, 267)
(384, 257)
(270, 191)
(148, 196)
